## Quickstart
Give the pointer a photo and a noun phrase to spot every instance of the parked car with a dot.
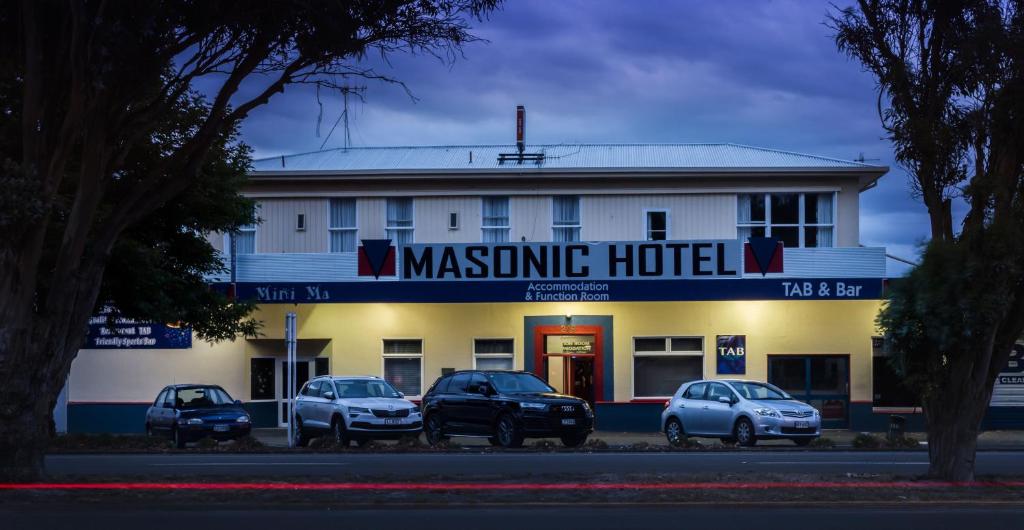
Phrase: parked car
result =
(353, 408)
(187, 413)
(738, 411)
(504, 406)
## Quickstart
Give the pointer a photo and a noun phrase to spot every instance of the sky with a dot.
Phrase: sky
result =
(762, 73)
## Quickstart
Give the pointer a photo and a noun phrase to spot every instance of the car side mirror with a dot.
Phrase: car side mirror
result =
(329, 395)
(725, 399)
(484, 389)
(238, 402)
(401, 395)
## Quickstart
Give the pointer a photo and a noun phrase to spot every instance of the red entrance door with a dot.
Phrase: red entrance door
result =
(570, 359)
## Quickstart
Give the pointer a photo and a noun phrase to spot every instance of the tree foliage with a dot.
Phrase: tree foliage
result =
(112, 167)
(951, 97)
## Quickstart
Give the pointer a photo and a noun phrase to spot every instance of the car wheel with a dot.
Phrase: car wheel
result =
(744, 433)
(803, 442)
(179, 440)
(339, 432)
(299, 437)
(674, 432)
(509, 434)
(434, 430)
(574, 440)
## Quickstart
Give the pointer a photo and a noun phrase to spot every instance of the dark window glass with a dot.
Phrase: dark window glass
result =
(301, 375)
(687, 344)
(203, 396)
(789, 374)
(322, 366)
(789, 235)
(325, 388)
(657, 226)
(160, 398)
(828, 375)
(171, 400)
(403, 346)
(785, 208)
(403, 373)
(493, 346)
(662, 375)
(262, 375)
(312, 389)
(887, 387)
(475, 382)
(460, 383)
(757, 208)
(649, 344)
(441, 386)
(717, 390)
(696, 391)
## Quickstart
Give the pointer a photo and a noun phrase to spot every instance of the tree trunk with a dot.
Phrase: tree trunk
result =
(954, 414)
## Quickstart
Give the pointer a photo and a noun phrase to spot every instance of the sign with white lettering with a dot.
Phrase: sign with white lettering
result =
(1009, 387)
(642, 260)
(569, 344)
(126, 333)
(731, 354)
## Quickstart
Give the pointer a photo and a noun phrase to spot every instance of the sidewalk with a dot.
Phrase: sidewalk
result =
(987, 441)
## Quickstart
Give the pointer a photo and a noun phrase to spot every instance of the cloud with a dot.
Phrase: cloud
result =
(758, 73)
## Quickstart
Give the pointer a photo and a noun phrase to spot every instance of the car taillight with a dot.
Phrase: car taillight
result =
(667, 403)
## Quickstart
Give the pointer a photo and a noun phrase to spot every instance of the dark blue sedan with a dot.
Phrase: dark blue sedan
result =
(186, 413)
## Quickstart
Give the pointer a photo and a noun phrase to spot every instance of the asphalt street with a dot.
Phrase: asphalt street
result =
(524, 516)
(535, 465)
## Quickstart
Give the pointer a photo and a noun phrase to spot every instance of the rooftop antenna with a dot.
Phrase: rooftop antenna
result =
(345, 91)
(860, 158)
(521, 155)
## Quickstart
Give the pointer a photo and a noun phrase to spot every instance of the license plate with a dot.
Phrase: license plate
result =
(392, 421)
(801, 425)
(220, 428)
(568, 421)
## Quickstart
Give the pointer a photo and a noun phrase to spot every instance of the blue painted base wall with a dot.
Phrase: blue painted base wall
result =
(130, 418)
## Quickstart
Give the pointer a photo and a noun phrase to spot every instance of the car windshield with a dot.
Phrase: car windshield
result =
(518, 383)
(365, 388)
(203, 396)
(759, 391)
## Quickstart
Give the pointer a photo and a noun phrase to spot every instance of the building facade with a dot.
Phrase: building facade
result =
(615, 272)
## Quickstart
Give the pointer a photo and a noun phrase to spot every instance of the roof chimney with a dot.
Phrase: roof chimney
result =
(521, 128)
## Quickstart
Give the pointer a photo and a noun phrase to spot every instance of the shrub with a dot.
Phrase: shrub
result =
(246, 443)
(905, 442)
(596, 443)
(206, 443)
(822, 443)
(867, 441)
(544, 445)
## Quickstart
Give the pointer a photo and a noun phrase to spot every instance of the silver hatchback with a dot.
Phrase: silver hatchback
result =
(738, 411)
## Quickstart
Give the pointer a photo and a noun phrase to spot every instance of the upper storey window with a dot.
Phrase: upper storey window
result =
(495, 220)
(343, 225)
(797, 219)
(245, 239)
(657, 225)
(399, 221)
(565, 224)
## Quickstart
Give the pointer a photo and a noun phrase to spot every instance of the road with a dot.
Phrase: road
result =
(517, 517)
(534, 465)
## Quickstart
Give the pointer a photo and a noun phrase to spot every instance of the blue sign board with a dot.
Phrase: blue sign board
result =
(131, 334)
(559, 290)
(731, 353)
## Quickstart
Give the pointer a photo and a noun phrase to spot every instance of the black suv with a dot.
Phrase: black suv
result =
(504, 406)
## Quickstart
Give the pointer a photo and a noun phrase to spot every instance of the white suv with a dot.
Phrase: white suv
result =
(354, 408)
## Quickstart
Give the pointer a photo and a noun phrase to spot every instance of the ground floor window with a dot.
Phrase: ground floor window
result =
(887, 388)
(661, 364)
(493, 354)
(403, 365)
(261, 372)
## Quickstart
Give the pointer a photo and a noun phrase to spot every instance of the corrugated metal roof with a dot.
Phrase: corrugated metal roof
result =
(558, 157)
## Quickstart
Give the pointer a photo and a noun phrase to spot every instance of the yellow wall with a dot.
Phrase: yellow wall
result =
(355, 332)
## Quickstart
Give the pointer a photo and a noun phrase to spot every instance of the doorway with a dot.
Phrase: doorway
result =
(569, 359)
(822, 381)
(303, 369)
